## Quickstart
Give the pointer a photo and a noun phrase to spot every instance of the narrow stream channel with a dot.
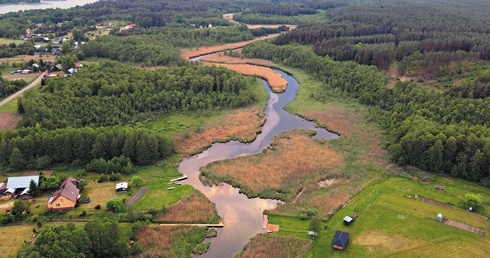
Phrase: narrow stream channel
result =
(243, 216)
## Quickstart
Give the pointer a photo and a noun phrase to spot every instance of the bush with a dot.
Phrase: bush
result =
(115, 205)
(97, 207)
(102, 178)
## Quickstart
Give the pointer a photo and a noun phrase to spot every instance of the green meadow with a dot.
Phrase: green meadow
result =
(390, 223)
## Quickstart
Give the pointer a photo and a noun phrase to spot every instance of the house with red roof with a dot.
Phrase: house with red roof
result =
(66, 197)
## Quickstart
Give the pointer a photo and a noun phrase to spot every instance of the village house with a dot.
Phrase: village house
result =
(66, 197)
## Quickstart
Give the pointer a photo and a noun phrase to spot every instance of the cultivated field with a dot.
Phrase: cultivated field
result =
(9, 120)
(293, 162)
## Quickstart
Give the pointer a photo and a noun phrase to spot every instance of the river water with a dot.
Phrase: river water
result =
(5, 8)
(242, 216)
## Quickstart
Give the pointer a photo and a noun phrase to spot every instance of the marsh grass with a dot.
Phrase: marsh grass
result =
(293, 161)
(193, 208)
(273, 246)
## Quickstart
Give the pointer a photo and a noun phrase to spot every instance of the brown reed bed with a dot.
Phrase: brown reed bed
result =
(272, 246)
(193, 208)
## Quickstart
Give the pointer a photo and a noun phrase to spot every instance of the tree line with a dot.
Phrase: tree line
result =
(115, 94)
(36, 148)
(191, 37)
(443, 133)
(380, 33)
(98, 238)
(143, 50)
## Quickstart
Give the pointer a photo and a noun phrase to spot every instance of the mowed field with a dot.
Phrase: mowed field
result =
(391, 224)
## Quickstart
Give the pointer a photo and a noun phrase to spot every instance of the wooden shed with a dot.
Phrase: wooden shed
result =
(340, 240)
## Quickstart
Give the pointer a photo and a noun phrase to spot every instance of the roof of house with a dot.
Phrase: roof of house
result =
(121, 185)
(68, 189)
(348, 219)
(21, 181)
(26, 191)
(10, 190)
(340, 238)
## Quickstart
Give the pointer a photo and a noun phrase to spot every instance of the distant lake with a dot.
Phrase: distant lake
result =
(6, 8)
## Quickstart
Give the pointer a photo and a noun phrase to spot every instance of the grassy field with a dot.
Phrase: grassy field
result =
(8, 41)
(388, 223)
(12, 239)
(157, 179)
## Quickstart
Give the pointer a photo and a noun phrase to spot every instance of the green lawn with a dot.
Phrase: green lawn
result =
(10, 106)
(388, 223)
(157, 179)
(8, 41)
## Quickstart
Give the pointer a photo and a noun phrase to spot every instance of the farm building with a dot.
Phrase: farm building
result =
(66, 197)
(348, 220)
(340, 240)
(21, 182)
(121, 187)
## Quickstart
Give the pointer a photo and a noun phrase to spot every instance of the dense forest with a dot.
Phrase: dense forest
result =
(426, 38)
(441, 132)
(115, 94)
(37, 148)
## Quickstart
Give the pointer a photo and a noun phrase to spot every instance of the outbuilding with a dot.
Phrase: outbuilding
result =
(121, 187)
(340, 240)
(348, 220)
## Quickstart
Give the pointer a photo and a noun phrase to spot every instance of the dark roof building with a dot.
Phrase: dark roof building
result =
(340, 240)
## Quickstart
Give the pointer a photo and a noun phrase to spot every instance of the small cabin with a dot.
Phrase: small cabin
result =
(348, 220)
(340, 240)
(121, 187)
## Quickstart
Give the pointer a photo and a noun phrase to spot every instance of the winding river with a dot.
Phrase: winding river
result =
(243, 216)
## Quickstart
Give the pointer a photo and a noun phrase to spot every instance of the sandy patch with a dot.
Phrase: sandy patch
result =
(220, 57)
(328, 182)
(6, 206)
(188, 53)
(276, 82)
(9, 120)
(377, 239)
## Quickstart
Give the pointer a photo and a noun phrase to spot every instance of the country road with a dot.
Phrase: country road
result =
(15, 95)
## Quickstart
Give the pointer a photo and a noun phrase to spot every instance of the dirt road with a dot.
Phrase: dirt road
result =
(15, 95)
